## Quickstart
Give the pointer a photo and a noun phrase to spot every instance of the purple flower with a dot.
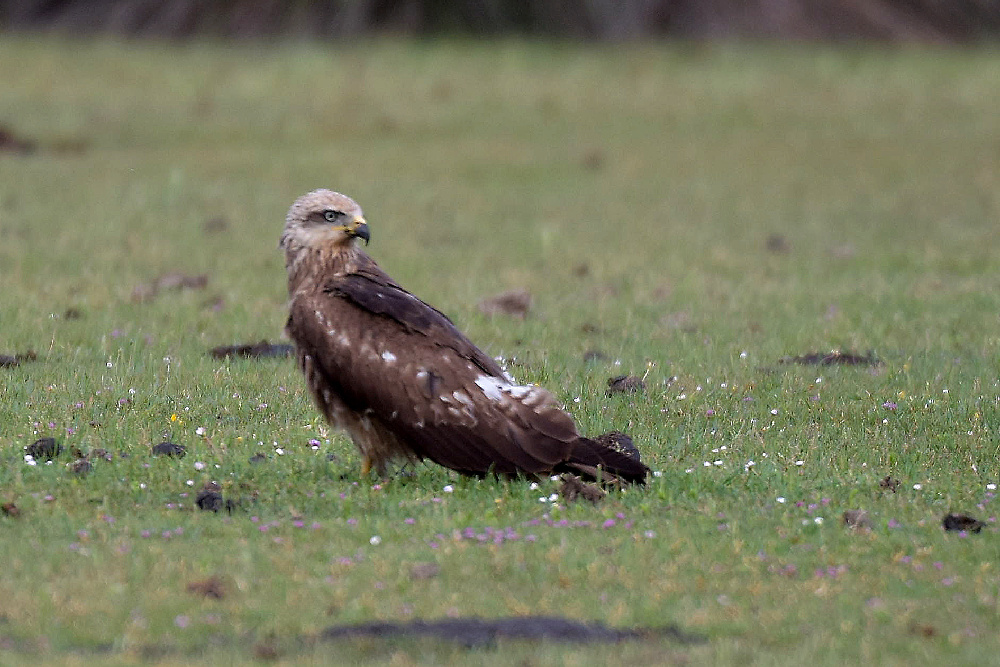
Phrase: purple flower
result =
(182, 621)
(298, 523)
(409, 521)
(352, 522)
(608, 524)
(889, 405)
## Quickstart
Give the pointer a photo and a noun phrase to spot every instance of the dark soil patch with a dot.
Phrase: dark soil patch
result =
(424, 570)
(11, 360)
(258, 458)
(625, 384)
(889, 483)
(962, 522)
(44, 448)
(212, 587)
(80, 467)
(833, 358)
(168, 281)
(12, 143)
(857, 519)
(484, 632)
(169, 449)
(591, 356)
(516, 303)
(261, 350)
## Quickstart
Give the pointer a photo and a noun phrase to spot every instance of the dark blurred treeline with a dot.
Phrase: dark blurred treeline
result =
(891, 20)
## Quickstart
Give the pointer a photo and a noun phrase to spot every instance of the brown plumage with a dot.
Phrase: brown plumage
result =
(398, 376)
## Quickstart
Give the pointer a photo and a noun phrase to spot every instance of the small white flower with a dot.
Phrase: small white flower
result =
(819, 380)
(682, 397)
(743, 355)
(543, 499)
(190, 482)
(749, 464)
(818, 520)
(707, 464)
(533, 486)
(715, 451)
(449, 489)
(142, 485)
(800, 463)
(198, 465)
(718, 462)
(991, 487)
(689, 470)
(200, 430)
(554, 497)
(110, 365)
(554, 478)
(781, 499)
(659, 473)
(885, 421)
(650, 534)
(917, 487)
(723, 385)
(576, 400)
(774, 411)
(375, 540)
(724, 447)
(279, 451)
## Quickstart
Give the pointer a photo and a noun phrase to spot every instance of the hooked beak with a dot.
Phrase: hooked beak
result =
(359, 228)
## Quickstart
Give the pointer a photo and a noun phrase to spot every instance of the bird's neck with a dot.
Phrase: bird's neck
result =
(311, 267)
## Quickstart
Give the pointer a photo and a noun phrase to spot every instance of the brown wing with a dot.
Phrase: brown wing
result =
(386, 353)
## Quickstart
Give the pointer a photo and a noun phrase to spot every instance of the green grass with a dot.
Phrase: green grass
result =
(661, 170)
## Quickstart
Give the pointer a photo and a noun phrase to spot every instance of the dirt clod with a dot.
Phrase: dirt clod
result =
(212, 587)
(424, 570)
(625, 384)
(857, 519)
(44, 448)
(516, 303)
(962, 522)
(888, 482)
(836, 357)
(11, 360)
(261, 350)
(473, 631)
(169, 449)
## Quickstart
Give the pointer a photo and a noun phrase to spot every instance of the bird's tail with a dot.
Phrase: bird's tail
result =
(605, 460)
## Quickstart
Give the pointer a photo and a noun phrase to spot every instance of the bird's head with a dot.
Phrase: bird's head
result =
(323, 218)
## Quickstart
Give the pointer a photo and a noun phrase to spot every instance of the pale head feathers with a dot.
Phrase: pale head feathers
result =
(321, 218)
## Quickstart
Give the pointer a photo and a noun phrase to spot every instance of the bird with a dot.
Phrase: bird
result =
(400, 378)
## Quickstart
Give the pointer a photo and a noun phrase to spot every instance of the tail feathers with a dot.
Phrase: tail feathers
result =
(591, 458)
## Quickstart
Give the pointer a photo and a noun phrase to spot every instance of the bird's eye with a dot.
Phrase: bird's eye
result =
(331, 215)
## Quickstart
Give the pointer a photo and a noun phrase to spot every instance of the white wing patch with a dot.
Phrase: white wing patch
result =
(494, 388)
(388, 357)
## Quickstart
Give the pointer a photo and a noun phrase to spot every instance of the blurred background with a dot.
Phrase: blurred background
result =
(935, 21)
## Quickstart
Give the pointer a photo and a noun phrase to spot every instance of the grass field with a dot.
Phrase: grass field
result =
(695, 213)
